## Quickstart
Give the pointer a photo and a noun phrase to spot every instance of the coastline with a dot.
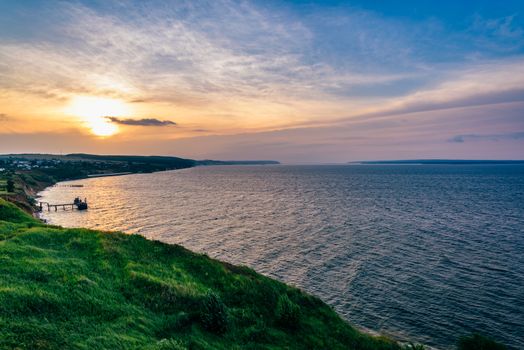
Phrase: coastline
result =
(33, 193)
(373, 333)
(216, 298)
(35, 212)
(363, 330)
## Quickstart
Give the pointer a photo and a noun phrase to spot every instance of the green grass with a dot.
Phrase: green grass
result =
(82, 289)
(9, 213)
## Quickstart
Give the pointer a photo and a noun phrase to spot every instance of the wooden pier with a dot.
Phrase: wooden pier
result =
(78, 204)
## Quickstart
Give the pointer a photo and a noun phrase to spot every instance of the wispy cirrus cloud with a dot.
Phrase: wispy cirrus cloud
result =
(260, 70)
(180, 54)
(141, 122)
(227, 67)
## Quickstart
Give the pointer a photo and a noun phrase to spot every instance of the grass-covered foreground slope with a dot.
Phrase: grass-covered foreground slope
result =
(82, 289)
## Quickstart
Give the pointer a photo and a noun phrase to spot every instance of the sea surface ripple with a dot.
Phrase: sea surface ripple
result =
(425, 253)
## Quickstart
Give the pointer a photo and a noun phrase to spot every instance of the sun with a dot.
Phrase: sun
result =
(101, 127)
(93, 112)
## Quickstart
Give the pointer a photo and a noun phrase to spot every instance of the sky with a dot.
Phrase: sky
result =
(294, 81)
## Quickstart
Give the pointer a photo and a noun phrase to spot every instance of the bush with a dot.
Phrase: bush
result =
(288, 313)
(10, 186)
(479, 342)
(214, 313)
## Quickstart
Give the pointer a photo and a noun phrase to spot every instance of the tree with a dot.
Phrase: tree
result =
(10, 185)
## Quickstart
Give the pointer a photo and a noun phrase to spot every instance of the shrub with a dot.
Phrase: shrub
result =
(10, 187)
(479, 342)
(214, 313)
(288, 313)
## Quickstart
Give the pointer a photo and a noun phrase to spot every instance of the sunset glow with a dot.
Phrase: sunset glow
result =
(100, 127)
(93, 113)
(91, 106)
(326, 82)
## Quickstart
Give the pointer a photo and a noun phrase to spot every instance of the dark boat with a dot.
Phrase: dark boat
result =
(80, 204)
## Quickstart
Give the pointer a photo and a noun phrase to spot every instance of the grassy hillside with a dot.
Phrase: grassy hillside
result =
(83, 289)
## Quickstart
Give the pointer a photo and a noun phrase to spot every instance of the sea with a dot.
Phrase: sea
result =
(423, 253)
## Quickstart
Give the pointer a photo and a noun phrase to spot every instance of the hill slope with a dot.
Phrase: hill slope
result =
(83, 289)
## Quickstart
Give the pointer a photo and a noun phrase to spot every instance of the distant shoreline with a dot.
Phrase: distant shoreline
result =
(108, 174)
(439, 162)
(33, 173)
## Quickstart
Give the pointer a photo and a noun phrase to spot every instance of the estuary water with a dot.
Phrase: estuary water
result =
(424, 253)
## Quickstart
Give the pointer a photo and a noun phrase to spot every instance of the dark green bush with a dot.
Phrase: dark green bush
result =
(287, 312)
(10, 185)
(213, 314)
(479, 342)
